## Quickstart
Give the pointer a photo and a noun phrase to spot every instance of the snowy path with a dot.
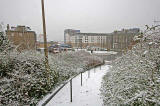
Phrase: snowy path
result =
(86, 95)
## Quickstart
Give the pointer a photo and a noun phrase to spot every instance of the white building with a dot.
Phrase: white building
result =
(117, 40)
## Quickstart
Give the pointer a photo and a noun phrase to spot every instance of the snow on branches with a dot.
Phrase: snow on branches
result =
(23, 79)
(4, 43)
(134, 77)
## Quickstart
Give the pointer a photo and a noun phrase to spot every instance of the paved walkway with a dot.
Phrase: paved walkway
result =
(86, 95)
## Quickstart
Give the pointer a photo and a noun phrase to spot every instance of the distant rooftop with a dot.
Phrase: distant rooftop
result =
(19, 28)
(75, 32)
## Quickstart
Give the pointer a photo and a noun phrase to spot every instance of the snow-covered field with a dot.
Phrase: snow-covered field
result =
(86, 95)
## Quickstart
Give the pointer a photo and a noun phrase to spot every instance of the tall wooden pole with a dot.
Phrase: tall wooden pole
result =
(45, 42)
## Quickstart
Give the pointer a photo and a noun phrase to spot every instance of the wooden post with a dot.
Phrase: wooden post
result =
(45, 42)
(71, 90)
(81, 78)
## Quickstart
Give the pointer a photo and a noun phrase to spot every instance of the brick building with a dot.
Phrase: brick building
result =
(117, 41)
(21, 37)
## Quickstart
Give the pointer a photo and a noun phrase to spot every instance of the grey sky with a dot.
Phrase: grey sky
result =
(87, 15)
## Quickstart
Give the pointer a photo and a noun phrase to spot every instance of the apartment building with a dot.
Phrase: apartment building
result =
(21, 37)
(117, 41)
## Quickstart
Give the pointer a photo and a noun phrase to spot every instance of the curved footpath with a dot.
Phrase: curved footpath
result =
(86, 95)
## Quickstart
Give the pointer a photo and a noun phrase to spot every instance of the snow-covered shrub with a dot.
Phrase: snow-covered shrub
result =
(23, 78)
(72, 63)
(4, 43)
(134, 78)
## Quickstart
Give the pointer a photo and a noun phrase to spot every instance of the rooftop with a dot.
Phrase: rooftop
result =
(77, 32)
(19, 28)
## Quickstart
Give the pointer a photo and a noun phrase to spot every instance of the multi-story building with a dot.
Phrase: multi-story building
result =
(118, 40)
(21, 37)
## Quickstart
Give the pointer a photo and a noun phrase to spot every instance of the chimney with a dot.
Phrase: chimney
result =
(8, 28)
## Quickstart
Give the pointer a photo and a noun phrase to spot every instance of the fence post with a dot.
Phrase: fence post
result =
(88, 73)
(81, 78)
(71, 90)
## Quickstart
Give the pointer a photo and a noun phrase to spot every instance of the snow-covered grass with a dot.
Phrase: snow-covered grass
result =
(134, 78)
(23, 78)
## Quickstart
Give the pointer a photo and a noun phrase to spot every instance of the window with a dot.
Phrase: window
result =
(86, 41)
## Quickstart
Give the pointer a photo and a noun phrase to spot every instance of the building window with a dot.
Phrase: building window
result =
(92, 39)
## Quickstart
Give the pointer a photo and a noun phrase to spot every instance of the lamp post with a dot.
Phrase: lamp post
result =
(45, 41)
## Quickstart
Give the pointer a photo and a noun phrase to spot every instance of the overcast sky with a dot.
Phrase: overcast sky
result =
(101, 16)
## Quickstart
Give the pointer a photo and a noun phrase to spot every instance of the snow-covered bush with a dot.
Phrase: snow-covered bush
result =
(23, 79)
(4, 43)
(134, 78)
(71, 63)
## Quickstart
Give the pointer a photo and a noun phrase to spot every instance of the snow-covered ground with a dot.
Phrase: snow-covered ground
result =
(100, 53)
(86, 95)
(105, 52)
